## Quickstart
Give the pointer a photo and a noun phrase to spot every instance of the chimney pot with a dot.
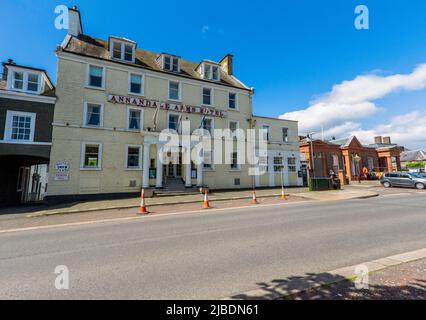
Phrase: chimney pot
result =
(387, 140)
(378, 140)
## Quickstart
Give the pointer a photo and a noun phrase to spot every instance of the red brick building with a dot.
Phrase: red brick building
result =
(348, 157)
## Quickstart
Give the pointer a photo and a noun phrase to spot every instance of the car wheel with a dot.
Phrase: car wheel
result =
(420, 186)
(387, 184)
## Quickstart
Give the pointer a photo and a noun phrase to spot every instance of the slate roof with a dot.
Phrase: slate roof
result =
(85, 45)
(412, 156)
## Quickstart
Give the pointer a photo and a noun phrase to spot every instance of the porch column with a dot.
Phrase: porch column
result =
(200, 168)
(146, 164)
(159, 183)
(188, 167)
(271, 170)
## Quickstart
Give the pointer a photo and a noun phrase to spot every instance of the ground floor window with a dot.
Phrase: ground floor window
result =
(20, 126)
(234, 161)
(278, 164)
(91, 156)
(292, 164)
(263, 163)
(336, 166)
(208, 163)
(133, 157)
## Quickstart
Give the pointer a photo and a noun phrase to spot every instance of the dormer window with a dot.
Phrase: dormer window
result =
(26, 81)
(122, 50)
(211, 71)
(170, 63)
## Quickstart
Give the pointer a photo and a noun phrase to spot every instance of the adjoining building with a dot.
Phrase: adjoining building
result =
(413, 160)
(115, 98)
(348, 157)
(27, 100)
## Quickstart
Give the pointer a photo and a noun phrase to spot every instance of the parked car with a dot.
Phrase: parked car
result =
(403, 179)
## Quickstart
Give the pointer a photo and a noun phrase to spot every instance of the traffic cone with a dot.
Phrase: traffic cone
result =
(283, 197)
(206, 204)
(254, 200)
(143, 209)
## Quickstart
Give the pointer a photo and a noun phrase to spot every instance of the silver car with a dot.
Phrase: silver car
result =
(403, 179)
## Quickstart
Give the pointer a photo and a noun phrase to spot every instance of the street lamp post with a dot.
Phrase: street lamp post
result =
(310, 136)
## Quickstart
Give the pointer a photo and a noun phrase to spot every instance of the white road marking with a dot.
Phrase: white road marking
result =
(161, 215)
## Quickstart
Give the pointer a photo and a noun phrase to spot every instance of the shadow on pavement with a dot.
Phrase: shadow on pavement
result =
(332, 287)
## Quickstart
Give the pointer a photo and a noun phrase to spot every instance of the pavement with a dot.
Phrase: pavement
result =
(213, 254)
(405, 281)
(349, 192)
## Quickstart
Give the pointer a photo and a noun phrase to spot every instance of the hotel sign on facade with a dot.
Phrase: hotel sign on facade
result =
(146, 103)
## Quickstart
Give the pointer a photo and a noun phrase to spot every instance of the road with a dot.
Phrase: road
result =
(209, 255)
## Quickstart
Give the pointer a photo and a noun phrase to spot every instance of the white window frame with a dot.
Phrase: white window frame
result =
(210, 65)
(212, 165)
(25, 76)
(212, 126)
(288, 135)
(238, 168)
(128, 119)
(142, 84)
(88, 77)
(101, 118)
(126, 159)
(276, 165)
(211, 96)
(163, 62)
(294, 166)
(236, 133)
(83, 154)
(8, 126)
(123, 47)
(179, 91)
(168, 119)
(237, 107)
(269, 135)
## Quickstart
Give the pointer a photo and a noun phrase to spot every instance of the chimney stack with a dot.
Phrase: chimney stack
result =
(75, 27)
(227, 64)
(378, 140)
(387, 140)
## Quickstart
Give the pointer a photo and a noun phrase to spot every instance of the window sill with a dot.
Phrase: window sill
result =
(234, 170)
(133, 169)
(174, 100)
(90, 169)
(140, 95)
(95, 88)
(93, 127)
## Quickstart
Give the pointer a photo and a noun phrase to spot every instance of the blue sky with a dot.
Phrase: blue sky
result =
(292, 52)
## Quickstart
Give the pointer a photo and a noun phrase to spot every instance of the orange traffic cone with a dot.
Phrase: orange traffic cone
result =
(206, 204)
(254, 200)
(143, 209)
(283, 197)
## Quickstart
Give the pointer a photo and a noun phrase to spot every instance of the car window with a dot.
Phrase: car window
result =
(405, 176)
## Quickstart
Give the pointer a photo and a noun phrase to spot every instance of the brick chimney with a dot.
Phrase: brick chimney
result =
(4, 75)
(387, 140)
(378, 140)
(227, 64)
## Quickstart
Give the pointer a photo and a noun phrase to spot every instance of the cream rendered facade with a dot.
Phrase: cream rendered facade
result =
(70, 134)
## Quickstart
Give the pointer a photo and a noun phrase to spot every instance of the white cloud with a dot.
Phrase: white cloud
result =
(205, 29)
(408, 130)
(351, 101)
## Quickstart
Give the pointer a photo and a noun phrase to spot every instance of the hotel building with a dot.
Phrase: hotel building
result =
(115, 98)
